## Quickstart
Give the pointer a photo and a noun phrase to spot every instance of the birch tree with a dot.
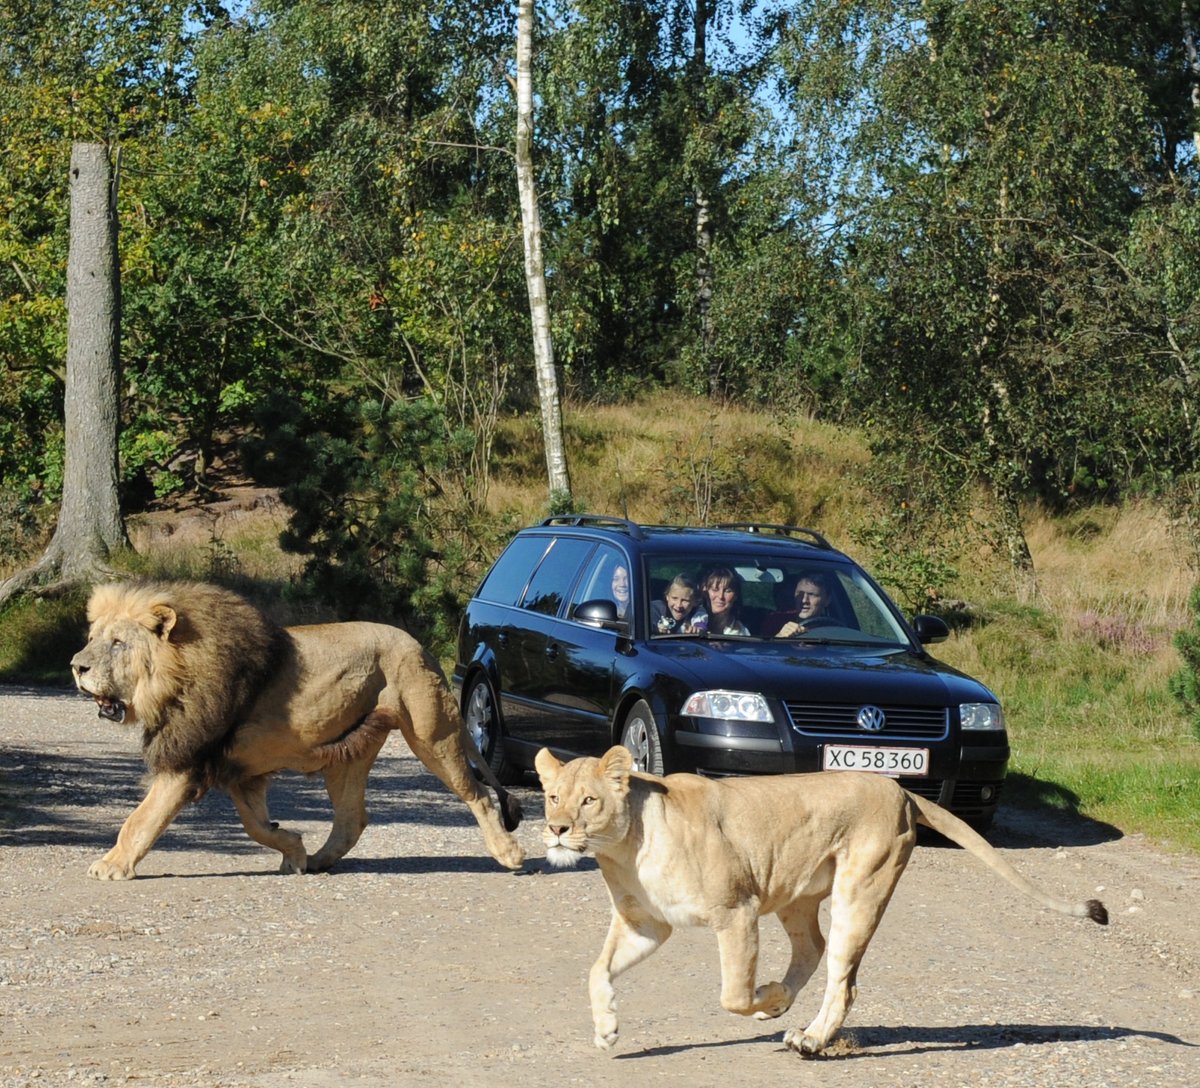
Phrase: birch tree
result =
(535, 276)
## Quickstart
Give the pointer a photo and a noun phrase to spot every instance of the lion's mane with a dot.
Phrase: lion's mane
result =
(205, 656)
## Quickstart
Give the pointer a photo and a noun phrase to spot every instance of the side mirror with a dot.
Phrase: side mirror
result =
(930, 629)
(599, 613)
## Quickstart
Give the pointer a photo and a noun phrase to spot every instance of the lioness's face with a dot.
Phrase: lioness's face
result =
(117, 656)
(586, 804)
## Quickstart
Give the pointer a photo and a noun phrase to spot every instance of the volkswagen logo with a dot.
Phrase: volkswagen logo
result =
(871, 718)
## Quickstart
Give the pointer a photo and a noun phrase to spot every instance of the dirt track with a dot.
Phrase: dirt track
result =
(421, 962)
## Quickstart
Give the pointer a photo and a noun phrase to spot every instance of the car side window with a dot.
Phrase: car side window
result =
(600, 579)
(555, 575)
(509, 576)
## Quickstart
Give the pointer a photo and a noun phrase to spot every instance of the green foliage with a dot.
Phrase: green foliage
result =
(985, 160)
(22, 524)
(914, 565)
(1185, 683)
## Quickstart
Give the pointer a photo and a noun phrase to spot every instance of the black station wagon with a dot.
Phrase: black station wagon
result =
(739, 649)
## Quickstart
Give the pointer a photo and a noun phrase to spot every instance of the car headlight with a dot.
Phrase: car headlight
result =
(737, 706)
(978, 717)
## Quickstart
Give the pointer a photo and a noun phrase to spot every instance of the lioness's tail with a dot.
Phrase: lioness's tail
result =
(946, 823)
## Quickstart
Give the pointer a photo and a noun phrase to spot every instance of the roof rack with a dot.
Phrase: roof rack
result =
(779, 530)
(598, 521)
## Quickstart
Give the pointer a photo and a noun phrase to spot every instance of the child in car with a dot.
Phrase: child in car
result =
(670, 615)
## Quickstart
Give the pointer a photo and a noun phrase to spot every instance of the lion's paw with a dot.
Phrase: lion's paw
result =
(106, 869)
(505, 848)
(773, 999)
(802, 1043)
(291, 865)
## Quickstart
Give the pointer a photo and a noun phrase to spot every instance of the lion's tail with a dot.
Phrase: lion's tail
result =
(511, 812)
(949, 825)
(510, 809)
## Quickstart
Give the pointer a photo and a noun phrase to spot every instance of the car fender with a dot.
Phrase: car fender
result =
(635, 688)
(483, 661)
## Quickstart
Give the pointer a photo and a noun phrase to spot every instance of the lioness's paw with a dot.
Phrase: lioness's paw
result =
(106, 869)
(605, 1024)
(773, 999)
(607, 1041)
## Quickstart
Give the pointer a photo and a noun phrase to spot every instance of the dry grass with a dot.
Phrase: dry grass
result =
(685, 461)
(1113, 561)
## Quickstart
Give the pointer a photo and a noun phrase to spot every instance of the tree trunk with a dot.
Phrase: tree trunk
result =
(1016, 544)
(1192, 51)
(539, 308)
(703, 220)
(89, 520)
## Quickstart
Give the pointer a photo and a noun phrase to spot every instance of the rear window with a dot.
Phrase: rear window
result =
(506, 581)
(555, 575)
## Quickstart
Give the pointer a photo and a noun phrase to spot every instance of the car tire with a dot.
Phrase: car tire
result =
(640, 735)
(483, 723)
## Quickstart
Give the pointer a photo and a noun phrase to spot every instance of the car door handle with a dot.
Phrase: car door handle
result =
(552, 651)
(502, 638)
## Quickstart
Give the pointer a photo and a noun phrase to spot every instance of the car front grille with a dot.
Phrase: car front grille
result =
(841, 720)
(929, 788)
(962, 798)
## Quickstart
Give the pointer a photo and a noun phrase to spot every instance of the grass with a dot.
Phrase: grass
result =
(1081, 667)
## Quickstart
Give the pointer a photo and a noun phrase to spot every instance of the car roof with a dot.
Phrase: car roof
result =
(749, 538)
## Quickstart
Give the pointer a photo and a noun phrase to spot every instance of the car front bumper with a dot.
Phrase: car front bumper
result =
(966, 779)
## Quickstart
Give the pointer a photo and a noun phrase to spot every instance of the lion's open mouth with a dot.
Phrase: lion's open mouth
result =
(112, 709)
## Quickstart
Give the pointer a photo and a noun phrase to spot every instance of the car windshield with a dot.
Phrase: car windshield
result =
(758, 597)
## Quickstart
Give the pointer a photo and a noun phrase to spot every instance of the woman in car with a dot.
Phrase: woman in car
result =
(723, 590)
(620, 590)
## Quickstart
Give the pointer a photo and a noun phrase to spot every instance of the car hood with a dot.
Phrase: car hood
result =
(819, 672)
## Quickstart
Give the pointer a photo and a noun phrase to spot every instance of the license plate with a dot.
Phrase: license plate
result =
(909, 762)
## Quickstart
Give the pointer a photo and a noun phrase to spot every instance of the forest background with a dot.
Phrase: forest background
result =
(924, 274)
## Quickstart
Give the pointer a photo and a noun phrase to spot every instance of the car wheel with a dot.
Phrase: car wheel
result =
(483, 723)
(640, 736)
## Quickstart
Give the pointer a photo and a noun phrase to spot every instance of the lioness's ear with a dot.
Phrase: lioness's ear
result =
(161, 620)
(616, 765)
(546, 765)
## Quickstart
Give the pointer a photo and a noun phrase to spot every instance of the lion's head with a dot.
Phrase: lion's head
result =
(183, 660)
(587, 803)
(127, 664)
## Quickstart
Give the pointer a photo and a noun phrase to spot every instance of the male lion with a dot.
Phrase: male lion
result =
(690, 851)
(226, 698)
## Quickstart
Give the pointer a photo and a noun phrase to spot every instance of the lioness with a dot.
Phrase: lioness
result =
(689, 851)
(226, 698)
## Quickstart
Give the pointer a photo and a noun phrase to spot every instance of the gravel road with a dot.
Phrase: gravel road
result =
(419, 961)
